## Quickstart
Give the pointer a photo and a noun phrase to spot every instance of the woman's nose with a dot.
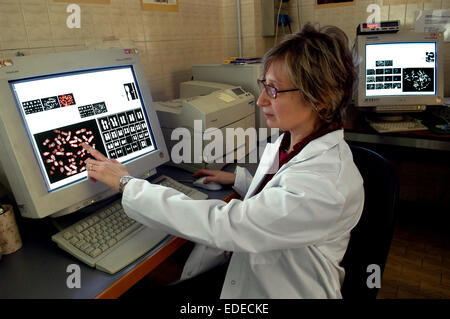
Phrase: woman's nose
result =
(263, 99)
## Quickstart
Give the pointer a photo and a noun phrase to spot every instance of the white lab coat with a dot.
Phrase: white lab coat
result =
(287, 241)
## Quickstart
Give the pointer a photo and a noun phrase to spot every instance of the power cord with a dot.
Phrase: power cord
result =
(278, 17)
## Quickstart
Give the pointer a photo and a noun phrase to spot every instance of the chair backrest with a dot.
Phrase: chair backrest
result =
(370, 240)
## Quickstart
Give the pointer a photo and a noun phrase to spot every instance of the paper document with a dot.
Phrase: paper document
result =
(226, 98)
(433, 21)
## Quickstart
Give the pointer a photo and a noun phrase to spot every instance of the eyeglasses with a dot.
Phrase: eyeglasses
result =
(272, 91)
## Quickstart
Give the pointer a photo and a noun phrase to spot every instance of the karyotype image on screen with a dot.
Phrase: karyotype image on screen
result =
(33, 106)
(124, 133)
(61, 150)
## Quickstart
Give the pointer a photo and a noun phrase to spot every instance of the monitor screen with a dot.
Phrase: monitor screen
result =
(400, 69)
(100, 107)
(51, 103)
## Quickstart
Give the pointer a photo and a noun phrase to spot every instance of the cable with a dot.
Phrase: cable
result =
(278, 17)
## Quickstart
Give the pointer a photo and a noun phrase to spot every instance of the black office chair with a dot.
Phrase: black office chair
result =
(370, 240)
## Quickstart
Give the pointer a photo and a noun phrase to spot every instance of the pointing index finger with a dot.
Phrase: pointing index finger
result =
(97, 155)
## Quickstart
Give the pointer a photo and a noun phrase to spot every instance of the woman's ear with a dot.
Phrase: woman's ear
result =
(321, 110)
(320, 107)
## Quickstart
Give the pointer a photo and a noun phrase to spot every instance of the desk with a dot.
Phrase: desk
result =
(38, 269)
(421, 158)
(358, 130)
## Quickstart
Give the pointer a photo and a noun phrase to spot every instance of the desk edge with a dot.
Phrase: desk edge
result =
(141, 270)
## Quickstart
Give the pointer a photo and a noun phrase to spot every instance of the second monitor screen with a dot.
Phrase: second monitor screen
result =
(394, 69)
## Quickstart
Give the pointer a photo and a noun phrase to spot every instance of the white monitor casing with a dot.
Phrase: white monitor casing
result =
(399, 103)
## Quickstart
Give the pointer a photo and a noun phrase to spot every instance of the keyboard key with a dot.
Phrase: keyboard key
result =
(95, 252)
(89, 249)
(67, 235)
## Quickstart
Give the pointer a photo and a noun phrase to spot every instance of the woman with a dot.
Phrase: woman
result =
(290, 231)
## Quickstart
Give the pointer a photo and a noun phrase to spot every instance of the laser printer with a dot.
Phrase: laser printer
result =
(207, 106)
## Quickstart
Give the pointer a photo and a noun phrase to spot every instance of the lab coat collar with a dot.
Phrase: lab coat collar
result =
(269, 159)
(318, 146)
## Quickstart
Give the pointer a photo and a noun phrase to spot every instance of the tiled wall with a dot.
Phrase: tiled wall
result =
(169, 42)
(202, 31)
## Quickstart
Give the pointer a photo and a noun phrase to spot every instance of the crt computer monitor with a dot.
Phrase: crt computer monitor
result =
(400, 72)
(51, 103)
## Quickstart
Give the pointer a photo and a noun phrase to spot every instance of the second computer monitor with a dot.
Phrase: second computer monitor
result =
(400, 72)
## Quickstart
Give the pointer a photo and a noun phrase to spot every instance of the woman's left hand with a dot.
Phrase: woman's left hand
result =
(107, 171)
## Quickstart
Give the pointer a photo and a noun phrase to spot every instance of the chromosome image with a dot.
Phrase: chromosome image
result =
(130, 91)
(66, 99)
(418, 80)
(86, 111)
(61, 150)
(33, 106)
(50, 103)
(92, 109)
(99, 108)
(383, 75)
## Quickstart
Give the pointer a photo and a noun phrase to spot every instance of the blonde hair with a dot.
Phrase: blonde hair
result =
(320, 64)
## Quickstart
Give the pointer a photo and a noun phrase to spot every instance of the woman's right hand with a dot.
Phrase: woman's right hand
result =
(221, 177)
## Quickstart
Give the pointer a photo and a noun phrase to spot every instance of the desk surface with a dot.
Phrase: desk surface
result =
(38, 269)
(358, 130)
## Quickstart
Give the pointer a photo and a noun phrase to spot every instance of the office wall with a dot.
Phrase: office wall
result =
(346, 17)
(253, 44)
(169, 42)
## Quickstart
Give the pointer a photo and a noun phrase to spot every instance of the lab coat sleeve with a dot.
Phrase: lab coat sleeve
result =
(276, 218)
(201, 259)
(242, 181)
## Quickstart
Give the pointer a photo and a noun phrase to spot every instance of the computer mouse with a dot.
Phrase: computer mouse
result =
(211, 186)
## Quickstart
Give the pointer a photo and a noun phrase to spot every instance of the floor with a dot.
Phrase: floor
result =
(418, 264)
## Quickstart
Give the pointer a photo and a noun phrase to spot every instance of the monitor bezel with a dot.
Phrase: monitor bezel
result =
(403, 103)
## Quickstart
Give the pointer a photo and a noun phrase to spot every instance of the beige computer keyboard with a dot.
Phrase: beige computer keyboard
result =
(109, 240)
(397, 126)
